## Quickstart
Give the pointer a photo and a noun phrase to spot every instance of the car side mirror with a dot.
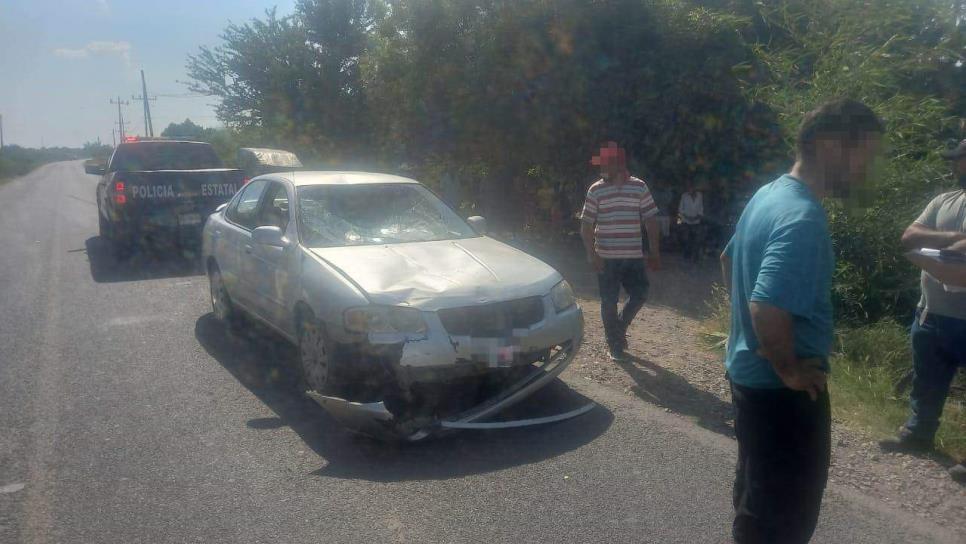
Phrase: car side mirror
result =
(478, 223)
(221, 207)
(95, 169)
(269, 236)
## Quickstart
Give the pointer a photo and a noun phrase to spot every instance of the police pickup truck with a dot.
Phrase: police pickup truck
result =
(160, 192)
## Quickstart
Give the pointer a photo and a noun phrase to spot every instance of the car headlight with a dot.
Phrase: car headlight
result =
(384, 319)
(562, 296)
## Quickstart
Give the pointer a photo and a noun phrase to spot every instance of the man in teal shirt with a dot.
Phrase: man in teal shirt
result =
(779, 267)
(784, 259)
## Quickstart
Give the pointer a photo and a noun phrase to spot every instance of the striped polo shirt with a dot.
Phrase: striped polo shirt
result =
(618, 211)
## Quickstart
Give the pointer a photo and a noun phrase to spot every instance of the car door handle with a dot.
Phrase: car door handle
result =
(248, 249)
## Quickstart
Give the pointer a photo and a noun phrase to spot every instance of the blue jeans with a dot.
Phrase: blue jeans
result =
(938, 350)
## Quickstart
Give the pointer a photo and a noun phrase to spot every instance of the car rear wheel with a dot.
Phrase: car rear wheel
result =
(221, 305)
(314, 360)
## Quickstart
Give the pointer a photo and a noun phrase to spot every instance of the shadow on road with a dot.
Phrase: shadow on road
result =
(144, 264)
(265, 365)
(657, 385)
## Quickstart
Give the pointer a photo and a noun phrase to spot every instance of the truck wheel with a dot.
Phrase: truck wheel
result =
(221, 305)
(315, 363)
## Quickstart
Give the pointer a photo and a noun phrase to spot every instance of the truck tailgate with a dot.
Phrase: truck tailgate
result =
(176, 197)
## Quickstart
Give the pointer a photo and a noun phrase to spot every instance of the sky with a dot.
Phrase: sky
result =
(62, 61)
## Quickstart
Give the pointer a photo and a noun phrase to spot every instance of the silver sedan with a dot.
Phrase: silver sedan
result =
(398, 306)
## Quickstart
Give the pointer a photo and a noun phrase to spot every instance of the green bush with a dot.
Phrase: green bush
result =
(522, 91)
(18, 161)
(899, 57)
(868, 364)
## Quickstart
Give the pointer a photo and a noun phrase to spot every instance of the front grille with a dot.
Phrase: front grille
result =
(492, 320)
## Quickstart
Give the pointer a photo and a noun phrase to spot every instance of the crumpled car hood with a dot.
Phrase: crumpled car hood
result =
(442, 274)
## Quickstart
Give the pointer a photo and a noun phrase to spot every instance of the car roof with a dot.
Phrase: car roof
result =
(161, 141)
(337, 178)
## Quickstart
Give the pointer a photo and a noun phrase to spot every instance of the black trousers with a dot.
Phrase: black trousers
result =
(691, 240)
(784, 450)
(632, 275)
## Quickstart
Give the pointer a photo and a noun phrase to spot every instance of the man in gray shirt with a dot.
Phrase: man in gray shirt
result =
(939, 330)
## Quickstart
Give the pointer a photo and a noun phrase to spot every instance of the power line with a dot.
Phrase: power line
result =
(120, 116)
(183, 95)
(148, 126)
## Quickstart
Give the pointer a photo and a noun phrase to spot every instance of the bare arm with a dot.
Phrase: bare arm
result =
(653, 241)
(947, 273)
(776, 336)
(918, 236)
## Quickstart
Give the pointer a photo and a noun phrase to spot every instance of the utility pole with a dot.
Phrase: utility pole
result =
(120, 116)
(1, 132)
(148, 126)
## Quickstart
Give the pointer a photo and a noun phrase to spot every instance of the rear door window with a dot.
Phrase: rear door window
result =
(143, 156)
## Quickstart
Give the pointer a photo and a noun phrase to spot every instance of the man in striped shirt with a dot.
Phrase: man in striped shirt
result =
(616, 208)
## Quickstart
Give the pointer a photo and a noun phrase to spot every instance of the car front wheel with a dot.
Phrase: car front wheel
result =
(314, 357)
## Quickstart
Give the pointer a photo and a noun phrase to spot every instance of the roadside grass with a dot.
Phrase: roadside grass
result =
(16, 161)
(10, 169)
(867, 364)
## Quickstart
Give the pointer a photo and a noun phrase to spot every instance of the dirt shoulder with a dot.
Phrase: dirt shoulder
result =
(670, 367)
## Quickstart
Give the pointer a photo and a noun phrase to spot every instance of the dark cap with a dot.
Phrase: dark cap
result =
(955, 153)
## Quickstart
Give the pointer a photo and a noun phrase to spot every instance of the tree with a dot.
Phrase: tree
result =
(900, 57)
(188, 131)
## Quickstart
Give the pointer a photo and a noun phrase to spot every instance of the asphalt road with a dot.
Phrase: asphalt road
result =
(128, 415)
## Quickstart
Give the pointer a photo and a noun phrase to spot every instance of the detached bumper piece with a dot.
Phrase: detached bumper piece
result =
(375, 420)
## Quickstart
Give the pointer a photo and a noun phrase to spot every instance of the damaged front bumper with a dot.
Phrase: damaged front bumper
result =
(374, 419)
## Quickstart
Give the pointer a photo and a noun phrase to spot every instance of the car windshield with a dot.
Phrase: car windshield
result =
(348, 215)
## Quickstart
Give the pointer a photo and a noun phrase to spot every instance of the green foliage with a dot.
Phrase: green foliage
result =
(869, 362)
(17, 161)
(717, 323)
(296, 77)
(97, 151)
(493, 91)
(897, 56)
(188, 131)
(511, 98)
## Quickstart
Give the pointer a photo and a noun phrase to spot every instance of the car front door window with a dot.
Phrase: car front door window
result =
(243, 211)
(274, 210)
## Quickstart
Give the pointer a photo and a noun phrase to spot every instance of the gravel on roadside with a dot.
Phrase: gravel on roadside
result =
(671, 367)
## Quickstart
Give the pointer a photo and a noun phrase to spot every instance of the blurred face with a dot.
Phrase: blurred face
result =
(847, 164)
(614, 172)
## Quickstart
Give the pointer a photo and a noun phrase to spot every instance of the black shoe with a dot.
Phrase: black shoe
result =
(958, 473)
(616, 353)
(906, 442)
